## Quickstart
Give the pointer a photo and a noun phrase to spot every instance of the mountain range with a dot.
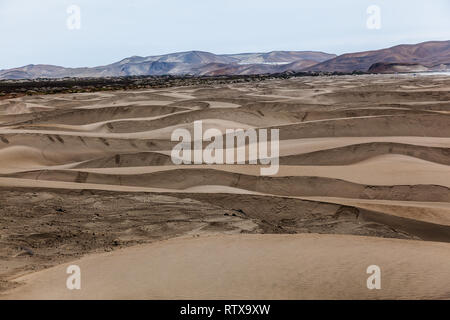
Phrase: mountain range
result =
(426, 56)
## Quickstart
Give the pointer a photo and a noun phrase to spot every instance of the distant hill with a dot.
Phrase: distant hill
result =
(426, 54)
(279, 57)
(181, 63)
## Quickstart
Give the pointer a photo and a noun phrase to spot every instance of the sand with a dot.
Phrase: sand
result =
(254, 267)
(391, 170)
(364, 178)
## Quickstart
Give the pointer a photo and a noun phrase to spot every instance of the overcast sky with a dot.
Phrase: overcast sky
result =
(34, 32)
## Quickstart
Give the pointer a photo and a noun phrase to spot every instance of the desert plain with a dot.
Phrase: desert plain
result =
(87, 179)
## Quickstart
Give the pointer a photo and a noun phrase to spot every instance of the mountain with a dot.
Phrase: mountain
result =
(280, 57)
(216, 69)
(427, 54)
(181, 63)
(189, 57)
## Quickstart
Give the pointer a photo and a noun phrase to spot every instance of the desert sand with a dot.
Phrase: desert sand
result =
(364, 178)
(253, 267)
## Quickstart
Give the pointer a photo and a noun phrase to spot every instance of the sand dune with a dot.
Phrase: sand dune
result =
(23, 157)
(432, 212)
(140, 159)
(181, 179)
(80, 117)
(358, 152)
(335, 156)
(254, 267)
(364, 162)
(380, 170)
(96, 130)
(424, 125)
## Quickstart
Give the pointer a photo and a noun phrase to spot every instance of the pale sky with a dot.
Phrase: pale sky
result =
(36, 32)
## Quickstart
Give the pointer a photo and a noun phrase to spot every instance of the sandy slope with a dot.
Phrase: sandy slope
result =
(254, 267)
(181, 179)
(431, 212)
(381, 170)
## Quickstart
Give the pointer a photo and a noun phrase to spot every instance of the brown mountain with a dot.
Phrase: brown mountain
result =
(426, 54)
